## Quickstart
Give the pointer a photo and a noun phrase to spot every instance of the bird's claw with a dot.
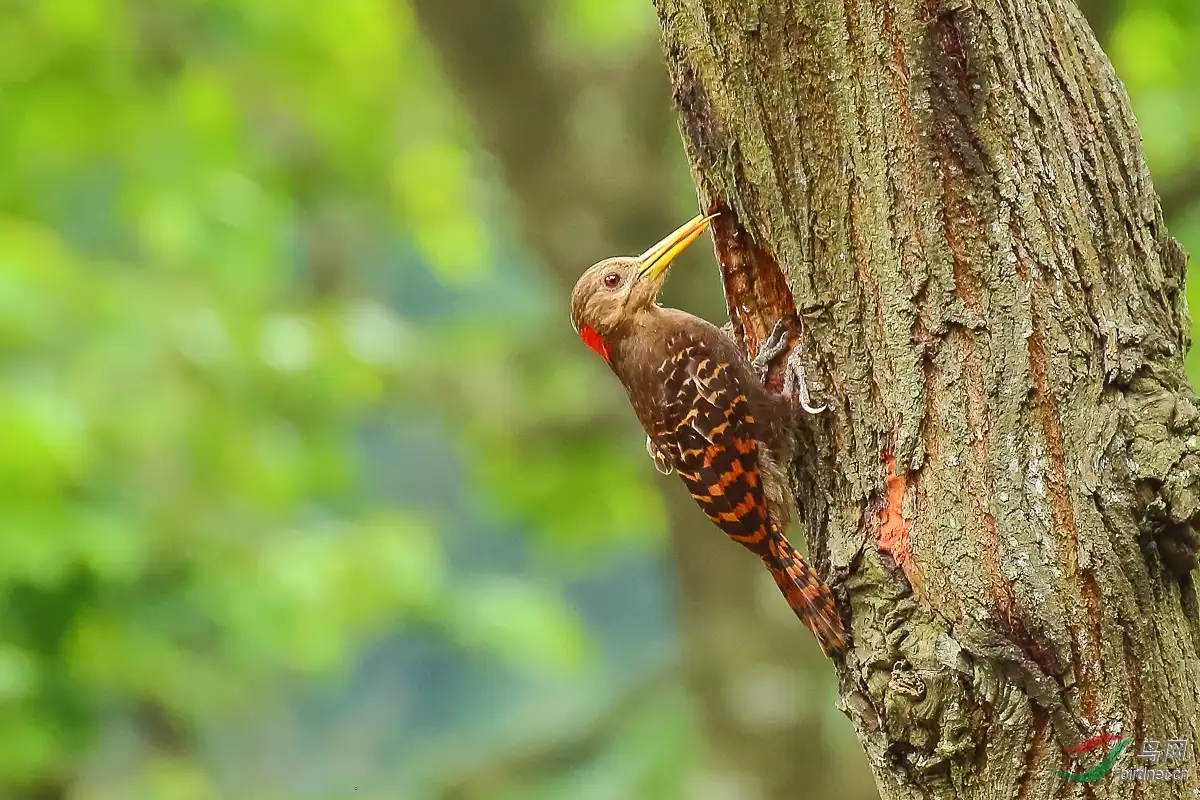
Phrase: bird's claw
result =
(794, 382)
(660, 460)
(775, 344)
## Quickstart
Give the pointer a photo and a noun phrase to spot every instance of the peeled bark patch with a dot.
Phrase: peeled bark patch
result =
(955, 196)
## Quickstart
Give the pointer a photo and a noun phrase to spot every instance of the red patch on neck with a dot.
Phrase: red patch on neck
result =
(595, 341)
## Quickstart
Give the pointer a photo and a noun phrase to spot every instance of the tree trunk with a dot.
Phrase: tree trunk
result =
(953, 194)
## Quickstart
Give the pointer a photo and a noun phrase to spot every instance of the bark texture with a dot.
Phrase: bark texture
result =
(953, 195)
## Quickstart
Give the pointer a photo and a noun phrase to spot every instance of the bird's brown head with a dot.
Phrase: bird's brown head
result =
(612, 293)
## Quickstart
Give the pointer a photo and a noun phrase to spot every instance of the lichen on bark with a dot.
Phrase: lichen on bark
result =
(952, 193)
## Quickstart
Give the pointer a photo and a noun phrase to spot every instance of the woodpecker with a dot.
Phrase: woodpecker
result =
(707, 416)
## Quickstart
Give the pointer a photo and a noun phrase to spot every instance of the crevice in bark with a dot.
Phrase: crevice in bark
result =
(756, 291)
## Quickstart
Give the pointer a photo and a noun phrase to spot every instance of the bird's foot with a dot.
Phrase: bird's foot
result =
(776, 343)
(660, 460)
(794, 382)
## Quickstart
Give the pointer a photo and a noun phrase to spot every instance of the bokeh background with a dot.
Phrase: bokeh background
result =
(307, 489)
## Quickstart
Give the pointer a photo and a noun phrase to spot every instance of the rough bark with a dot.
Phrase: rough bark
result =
(752, 676)
(953, 192)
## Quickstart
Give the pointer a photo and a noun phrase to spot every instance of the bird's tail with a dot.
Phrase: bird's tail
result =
(807, 594)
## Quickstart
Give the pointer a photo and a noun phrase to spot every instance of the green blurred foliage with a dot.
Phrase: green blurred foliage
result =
(1154, 50)
(198, 201)
(214, 219)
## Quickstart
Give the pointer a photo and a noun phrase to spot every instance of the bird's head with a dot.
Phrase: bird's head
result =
(612, 293)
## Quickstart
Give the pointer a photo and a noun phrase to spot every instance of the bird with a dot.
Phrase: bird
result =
(707, 416)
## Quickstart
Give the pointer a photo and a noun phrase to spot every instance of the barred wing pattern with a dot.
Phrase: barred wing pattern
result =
(707, 430)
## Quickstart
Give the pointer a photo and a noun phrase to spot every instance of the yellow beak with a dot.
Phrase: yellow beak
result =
(656, 260)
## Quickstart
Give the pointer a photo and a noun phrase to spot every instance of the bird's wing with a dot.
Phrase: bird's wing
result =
(707, 432)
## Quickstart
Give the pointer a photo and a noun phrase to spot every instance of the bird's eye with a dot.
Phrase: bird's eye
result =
(612, 280)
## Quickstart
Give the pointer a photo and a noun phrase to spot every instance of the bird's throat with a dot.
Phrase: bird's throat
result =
(596, 342)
